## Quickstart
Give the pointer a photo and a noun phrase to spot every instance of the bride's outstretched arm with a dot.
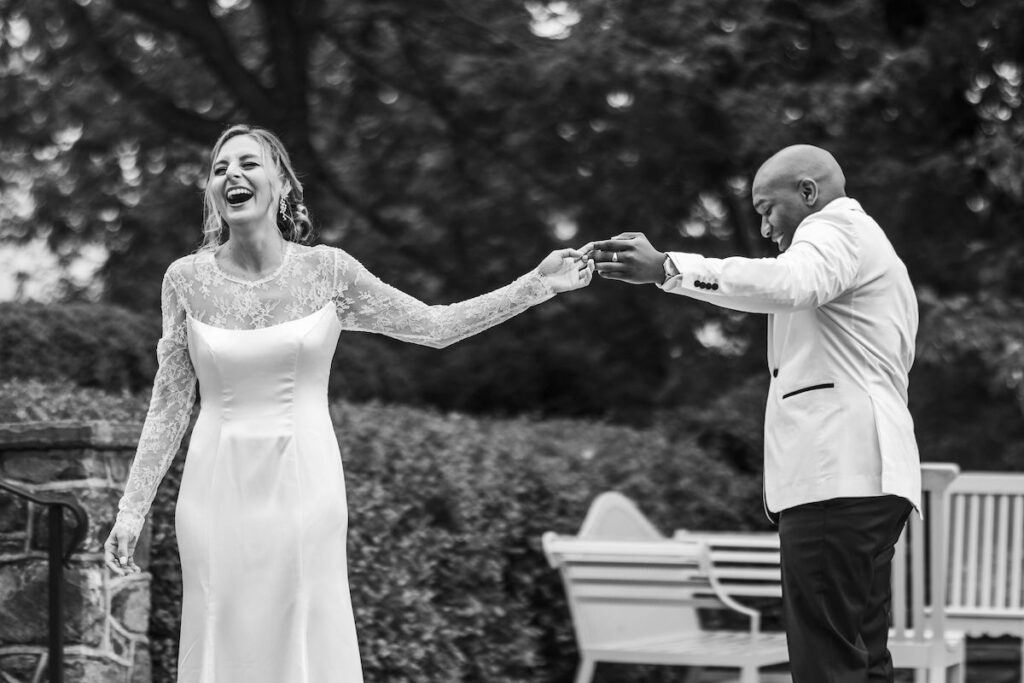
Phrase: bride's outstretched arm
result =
(365, 303)
(166, 421)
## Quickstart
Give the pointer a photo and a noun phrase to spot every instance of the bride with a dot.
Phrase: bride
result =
(261, 515)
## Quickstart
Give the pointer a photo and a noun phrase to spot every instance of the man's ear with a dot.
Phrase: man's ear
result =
(809, 191)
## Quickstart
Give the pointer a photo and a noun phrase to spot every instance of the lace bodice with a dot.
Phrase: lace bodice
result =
(308, 280)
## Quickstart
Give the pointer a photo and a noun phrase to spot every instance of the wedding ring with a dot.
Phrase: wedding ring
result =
(615, 257)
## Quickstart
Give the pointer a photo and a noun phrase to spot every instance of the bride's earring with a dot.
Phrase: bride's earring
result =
(283, 208)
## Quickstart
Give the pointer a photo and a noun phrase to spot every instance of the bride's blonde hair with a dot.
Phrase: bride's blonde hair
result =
(294, 224)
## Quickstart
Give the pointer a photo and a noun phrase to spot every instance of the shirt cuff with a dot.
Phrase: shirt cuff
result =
(674, 271)
(670, 269)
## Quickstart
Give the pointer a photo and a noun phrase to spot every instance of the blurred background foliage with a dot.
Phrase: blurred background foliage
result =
(449, 145)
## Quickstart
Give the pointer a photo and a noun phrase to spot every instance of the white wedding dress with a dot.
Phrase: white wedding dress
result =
(261, 514)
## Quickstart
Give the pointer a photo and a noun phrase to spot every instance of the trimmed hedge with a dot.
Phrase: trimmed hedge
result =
(452, 508)
(91, 345)
(961, 414)
(36, 401)
(533, 364)
(446, 513)
(111, 348)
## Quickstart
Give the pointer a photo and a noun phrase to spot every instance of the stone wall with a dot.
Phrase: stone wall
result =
(106, 616)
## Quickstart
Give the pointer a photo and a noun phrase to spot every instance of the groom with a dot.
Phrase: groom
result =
(842, 471)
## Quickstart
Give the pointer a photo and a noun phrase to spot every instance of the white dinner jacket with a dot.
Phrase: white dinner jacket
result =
(842, 320)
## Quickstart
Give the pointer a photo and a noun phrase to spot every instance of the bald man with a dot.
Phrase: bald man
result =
(842, 471)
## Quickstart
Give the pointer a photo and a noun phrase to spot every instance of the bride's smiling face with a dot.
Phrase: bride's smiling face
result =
(244, 182)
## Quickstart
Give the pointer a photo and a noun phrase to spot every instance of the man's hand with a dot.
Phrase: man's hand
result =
(629, 257)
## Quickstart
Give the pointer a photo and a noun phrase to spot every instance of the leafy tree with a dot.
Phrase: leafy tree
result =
(448, 145)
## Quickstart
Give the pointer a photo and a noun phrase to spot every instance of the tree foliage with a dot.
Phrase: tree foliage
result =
(449, 144)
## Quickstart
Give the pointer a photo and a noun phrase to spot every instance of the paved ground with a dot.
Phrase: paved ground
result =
(994, 660)
(976, 673)
(989, 660)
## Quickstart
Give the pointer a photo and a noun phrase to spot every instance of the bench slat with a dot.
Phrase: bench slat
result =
(1002, 549)
(625, 559)
(899, 588)
(771, 574)
(721, 643)
(916, 529)
(730, 539)
(1017, 554)
(988, 528)
(750, 557)
(626, 573)
(971, 560)
(957, 565)
(744, 590)
(1008, 483)
(640, 592)
(562, 545)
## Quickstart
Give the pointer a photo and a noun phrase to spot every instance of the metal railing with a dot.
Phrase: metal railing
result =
(58, 556)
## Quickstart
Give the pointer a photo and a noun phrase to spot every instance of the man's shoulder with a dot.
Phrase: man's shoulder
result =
(847, 218)
(844, 211)
(853, 226)
(834, 222)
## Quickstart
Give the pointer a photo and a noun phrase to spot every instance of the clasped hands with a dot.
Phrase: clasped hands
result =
(629, 257)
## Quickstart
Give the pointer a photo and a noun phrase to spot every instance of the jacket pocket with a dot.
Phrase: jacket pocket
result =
(814, 387)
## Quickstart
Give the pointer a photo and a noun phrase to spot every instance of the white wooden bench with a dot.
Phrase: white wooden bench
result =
(634, 596)
(921, 638)
(986, 591)
(985, 562)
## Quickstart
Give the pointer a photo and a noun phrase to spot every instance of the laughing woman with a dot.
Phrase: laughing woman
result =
(261, 515)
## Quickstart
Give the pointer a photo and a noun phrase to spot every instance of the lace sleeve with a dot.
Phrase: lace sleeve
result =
(364, 303)
(169, 409)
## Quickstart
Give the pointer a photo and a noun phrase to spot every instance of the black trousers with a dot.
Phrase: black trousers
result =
(836, 593)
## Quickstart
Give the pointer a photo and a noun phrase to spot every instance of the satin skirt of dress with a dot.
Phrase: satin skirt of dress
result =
(261, 521)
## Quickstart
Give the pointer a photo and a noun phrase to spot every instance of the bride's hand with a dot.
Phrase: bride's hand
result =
(567, 269)
(119, 550)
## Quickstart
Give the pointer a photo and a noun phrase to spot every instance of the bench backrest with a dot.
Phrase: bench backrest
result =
(625, 581)
(986, 542)
(623, 590)
(919, 565)
(746, 564)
